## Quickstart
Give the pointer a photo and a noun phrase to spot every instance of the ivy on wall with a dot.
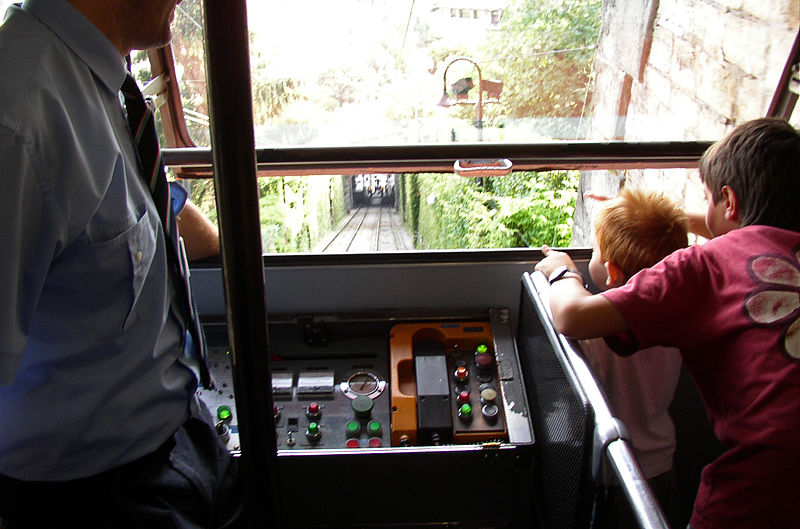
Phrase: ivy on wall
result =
(526, 209)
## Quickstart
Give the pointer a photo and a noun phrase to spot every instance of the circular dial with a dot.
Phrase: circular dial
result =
(363, 383)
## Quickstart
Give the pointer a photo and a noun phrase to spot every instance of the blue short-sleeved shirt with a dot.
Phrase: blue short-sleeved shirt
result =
(92, 371)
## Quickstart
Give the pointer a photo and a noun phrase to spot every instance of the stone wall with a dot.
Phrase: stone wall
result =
(681, 70)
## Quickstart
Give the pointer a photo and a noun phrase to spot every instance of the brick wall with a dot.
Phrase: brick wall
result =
(681, 70)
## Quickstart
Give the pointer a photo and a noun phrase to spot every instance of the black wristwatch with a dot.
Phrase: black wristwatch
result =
(560, 273)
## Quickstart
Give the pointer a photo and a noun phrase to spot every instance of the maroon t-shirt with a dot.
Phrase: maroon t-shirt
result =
(732, 306)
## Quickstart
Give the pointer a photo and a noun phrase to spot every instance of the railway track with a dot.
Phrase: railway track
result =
(370, 228)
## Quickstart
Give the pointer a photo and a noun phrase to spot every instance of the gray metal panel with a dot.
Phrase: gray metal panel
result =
(364, 288)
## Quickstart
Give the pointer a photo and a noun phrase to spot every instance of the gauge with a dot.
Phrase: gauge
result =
(363, 382)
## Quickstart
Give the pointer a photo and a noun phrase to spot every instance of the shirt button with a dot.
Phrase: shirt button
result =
(138, 256)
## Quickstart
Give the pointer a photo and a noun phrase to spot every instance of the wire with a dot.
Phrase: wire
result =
(190, 17)
(408, 23)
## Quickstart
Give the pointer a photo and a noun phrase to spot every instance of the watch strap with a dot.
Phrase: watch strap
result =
(561, 272)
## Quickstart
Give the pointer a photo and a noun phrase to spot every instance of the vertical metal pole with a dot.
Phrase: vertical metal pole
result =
(233, 148)
(784, 100)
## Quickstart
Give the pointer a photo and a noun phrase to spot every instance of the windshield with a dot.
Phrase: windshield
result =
(416, 73)
(423, 72)
(383, 72)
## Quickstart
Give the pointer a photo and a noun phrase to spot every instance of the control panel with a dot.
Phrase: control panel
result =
(350, 385)
(445, 384)
(336, 404)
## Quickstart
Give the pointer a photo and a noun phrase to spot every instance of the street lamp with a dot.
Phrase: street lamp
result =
(461, 90)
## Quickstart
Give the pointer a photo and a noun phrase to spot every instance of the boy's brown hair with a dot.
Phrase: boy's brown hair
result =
(637, 229)
(759, 160)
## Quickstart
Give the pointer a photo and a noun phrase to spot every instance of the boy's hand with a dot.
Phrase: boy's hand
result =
(576, 312)
(553, 259)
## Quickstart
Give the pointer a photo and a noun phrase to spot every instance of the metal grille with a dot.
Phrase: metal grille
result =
(562, 421)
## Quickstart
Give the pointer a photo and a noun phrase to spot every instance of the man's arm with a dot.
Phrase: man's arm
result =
(199, 234)
(576, 312)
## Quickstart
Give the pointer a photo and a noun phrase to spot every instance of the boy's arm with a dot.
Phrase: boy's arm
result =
(576, 312)
(697, 224)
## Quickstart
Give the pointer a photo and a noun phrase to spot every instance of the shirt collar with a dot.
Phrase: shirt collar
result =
(83, 38)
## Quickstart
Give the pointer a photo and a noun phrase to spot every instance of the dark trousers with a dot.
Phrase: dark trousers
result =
(191, 481)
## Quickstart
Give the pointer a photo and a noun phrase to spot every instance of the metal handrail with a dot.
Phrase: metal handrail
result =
(612, 451)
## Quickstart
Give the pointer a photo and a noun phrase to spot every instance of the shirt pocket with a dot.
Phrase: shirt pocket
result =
(119, 272)
(141, 250)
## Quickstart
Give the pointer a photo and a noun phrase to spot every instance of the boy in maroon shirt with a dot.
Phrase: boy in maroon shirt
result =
(732, 306)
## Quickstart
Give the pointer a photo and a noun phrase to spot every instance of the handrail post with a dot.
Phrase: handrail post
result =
(234, 162)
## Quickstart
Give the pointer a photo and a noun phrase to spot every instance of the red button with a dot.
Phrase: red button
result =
(463, 397)
(375, 442)
(352, 443)
(462, 373)
(483, 360)
(313, 408)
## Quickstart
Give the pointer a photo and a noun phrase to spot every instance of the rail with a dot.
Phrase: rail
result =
(611, 451)
(349, 225)
(370, 228)
(195, 162)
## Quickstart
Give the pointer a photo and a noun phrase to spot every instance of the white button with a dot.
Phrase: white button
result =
(138, 256)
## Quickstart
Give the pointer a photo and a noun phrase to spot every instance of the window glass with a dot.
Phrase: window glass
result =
(421, 72)
(400, 212)
(375, 72)
(383, 72)
(421, 211)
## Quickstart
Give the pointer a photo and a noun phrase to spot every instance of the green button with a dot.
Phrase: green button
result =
(374, 428)
(465, 410)
(313, 428)
(224, 413)
(362, 406)
(481, 349)
(353, 428)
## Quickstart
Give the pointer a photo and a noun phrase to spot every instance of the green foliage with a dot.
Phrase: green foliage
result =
(201, 192)
(544, 214)
(297, 212)
(544, 56)
(523, 209)
(270, 97)
(459, 217)
(413, 200)
(187, 47)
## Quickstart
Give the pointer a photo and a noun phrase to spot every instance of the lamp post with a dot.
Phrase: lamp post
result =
(447, 102)
(461, 89)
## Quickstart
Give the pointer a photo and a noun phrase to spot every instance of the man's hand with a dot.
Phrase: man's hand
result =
(199, 234)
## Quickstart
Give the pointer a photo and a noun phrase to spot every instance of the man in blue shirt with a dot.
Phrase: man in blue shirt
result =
(98, 373)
